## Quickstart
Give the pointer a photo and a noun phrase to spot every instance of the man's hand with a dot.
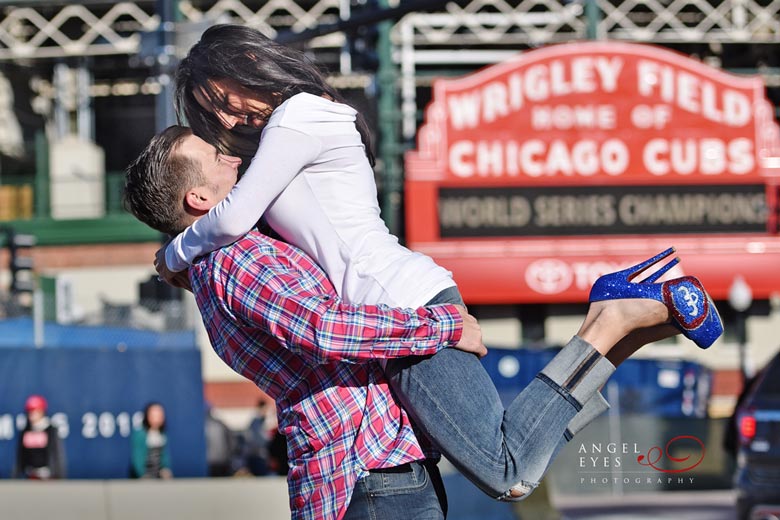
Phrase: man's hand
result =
(179, 279)
(471, 338)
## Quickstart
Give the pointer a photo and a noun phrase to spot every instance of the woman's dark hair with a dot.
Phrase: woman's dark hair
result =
(146, 415)
(244, 55)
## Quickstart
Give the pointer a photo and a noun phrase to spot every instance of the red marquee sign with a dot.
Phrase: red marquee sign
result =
(521, 163)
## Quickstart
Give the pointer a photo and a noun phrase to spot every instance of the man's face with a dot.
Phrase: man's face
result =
(220, 172)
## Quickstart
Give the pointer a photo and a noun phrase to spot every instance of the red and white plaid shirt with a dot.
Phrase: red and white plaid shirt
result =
(275, 318)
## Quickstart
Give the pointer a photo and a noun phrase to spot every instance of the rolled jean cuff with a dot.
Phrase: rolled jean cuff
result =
(592, 408)
(579, 370)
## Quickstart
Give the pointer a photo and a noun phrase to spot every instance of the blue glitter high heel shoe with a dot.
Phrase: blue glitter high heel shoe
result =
(690, 307)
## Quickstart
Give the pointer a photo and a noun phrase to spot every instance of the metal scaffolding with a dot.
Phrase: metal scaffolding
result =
(39, 29)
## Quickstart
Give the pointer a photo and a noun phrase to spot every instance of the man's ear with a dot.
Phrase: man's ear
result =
(198, 199)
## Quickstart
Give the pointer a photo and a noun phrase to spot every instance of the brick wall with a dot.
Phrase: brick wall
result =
(102, 255)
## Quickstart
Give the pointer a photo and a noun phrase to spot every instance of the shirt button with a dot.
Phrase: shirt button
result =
(300, 502)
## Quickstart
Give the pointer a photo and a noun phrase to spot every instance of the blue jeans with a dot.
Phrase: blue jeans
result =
(505, 452)
(413, 491)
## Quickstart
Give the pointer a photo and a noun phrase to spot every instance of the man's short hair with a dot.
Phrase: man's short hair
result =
(156, 182)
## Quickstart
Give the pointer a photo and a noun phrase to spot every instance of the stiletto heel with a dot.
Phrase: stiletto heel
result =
(690, 307)
(662, 271)
(632, 272)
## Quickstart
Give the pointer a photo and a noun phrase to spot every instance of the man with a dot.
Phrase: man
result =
(273, 316)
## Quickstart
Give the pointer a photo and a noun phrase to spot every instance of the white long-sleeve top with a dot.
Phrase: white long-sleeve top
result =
(312, 180)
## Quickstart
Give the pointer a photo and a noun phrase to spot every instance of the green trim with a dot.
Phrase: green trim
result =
(390, 151)
(42, 195)
(111, 229)
(593, 16)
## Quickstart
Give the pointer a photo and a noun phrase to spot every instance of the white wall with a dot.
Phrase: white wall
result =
(190, 499)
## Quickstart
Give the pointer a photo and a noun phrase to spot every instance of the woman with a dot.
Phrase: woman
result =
(149, 454)
(39, 452)
(311, 178)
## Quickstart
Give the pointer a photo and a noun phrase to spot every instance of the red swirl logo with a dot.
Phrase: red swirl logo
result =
(655, 454)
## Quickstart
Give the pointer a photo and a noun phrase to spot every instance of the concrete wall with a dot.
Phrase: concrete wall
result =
(190, 499)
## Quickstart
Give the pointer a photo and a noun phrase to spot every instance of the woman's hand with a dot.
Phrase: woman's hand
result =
(179, 279)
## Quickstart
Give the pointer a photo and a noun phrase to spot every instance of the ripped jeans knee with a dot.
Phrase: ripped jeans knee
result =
(518, 492)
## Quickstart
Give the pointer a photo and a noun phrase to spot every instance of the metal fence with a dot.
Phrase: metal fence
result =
(48, 318)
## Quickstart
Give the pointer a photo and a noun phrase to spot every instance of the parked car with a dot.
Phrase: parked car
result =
(757, 479)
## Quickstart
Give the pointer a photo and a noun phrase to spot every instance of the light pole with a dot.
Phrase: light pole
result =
(168, 11)
(740, 299)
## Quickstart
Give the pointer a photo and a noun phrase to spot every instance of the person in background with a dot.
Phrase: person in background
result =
(219, 445)
(257, 436)
(277, 453)
(149, 453)
(39, 452)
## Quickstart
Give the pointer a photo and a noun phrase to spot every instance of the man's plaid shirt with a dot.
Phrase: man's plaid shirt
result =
(275, 318)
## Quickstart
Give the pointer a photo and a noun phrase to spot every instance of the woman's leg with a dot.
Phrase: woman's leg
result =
(597, 405)
(454, 402)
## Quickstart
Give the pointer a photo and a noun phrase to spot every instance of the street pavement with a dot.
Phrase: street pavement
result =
(677, 505)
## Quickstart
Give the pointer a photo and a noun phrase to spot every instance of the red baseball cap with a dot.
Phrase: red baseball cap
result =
(35, 402)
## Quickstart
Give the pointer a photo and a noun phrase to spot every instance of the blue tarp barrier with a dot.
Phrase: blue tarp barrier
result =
(18, 332)
(95, 396)
(664, 388)
(96, 387)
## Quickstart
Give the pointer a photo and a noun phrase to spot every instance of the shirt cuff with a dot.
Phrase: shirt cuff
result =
(172, 259)
(450, 324)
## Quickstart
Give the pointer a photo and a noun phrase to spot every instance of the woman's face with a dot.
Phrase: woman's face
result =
(236, 106)
(155, 416)
(36, 415)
